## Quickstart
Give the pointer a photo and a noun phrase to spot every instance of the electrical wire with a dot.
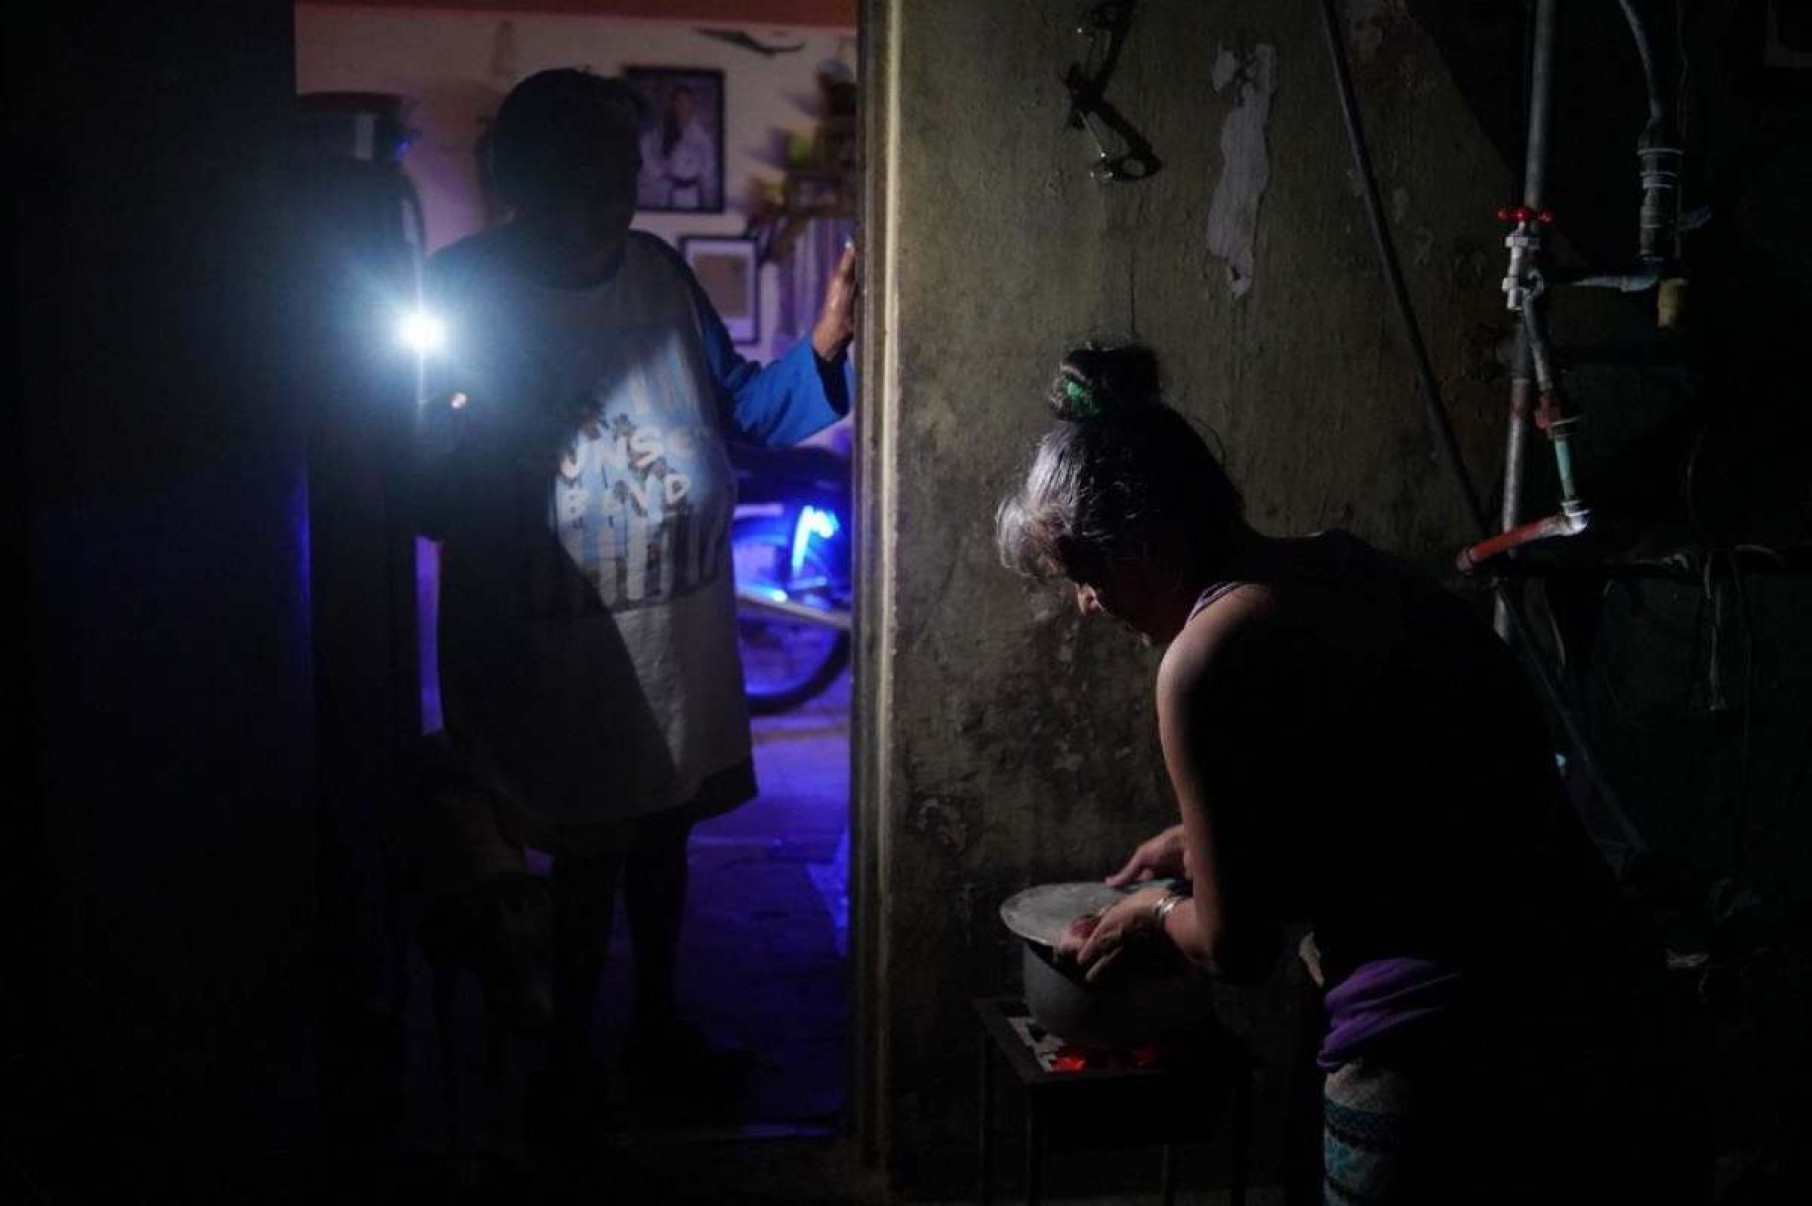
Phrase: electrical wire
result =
(1738, 808)
(1716, 700)
(1408, 328)
(1683, 75)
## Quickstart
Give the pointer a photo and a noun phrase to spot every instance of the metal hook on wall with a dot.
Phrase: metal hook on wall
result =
(1105, 25)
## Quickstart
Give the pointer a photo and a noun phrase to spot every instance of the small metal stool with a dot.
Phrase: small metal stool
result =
(1110, 1107)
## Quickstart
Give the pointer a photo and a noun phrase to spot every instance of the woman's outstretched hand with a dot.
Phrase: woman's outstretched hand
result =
(1096, 940)
(836, 325)
(1160, 857)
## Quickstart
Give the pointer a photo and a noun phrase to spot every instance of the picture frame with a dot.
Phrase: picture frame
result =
(728, 269)
(682, 139)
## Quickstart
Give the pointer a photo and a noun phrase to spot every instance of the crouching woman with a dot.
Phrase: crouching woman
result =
(1352, 748)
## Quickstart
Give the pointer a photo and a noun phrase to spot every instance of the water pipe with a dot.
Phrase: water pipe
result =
(1516, 451)
(1540, 77)
(1523, 287)
(1561, 524)
(1332, 27)
(1659, 151)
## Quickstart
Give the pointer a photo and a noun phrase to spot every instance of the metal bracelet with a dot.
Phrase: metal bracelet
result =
(1162, 909)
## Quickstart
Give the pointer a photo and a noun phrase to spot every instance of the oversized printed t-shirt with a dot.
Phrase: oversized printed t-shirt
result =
(573, 467)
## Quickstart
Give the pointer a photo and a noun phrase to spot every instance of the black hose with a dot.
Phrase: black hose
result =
(1657, 112)
(1437, 411)
(1393, 278)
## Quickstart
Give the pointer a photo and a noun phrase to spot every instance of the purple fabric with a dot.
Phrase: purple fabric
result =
(1379, 998)
(1212, 595)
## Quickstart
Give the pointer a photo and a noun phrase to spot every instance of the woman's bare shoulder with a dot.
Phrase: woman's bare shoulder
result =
(1217, 641)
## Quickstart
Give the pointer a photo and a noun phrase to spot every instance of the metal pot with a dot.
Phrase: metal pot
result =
(1146, 1001)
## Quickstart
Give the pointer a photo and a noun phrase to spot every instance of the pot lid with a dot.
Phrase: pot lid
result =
(1040, 914)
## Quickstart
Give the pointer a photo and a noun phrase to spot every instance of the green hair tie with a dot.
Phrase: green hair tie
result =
(1082, 399)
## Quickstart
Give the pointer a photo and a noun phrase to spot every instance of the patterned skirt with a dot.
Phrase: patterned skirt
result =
(1367, 1108)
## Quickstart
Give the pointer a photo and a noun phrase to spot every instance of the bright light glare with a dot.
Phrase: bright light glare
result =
(422, 332)
(812, 522)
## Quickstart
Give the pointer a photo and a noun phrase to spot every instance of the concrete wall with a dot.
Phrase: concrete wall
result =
(1011, 744)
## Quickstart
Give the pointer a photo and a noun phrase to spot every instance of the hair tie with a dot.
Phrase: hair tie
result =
(1081, 398)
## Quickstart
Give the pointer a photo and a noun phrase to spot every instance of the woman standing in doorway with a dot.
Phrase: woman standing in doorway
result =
(573, 466)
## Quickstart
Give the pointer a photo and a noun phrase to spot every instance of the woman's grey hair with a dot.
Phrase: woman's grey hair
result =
(1119, 469)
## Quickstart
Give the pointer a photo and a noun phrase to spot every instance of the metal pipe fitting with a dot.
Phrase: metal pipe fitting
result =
(1659, 236)
(1564, 523)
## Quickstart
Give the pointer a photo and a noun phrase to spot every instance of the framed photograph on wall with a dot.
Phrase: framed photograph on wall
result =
(728, 271)
(682, 140)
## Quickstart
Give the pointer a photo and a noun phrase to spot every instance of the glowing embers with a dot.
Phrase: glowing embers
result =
(1068, 1058)
(1055, 1055)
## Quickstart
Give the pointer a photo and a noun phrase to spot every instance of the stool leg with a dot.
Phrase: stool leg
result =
(986, 1124)
(1170, 1174)
(1034, 1151)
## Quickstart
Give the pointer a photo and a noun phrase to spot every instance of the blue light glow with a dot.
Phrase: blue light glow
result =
(812, 522)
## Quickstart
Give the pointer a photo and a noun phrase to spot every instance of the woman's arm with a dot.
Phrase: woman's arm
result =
(1226, 926)
(798, 394)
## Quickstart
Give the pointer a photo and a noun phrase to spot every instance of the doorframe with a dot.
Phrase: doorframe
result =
(876, 477)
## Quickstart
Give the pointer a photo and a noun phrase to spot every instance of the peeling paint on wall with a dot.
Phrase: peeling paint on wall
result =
(1366, 20)
(1420, 239)
(1245, 162)
(940, 823)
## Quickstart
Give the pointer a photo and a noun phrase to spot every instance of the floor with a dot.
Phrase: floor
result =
(761, 968)
(762, 954)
